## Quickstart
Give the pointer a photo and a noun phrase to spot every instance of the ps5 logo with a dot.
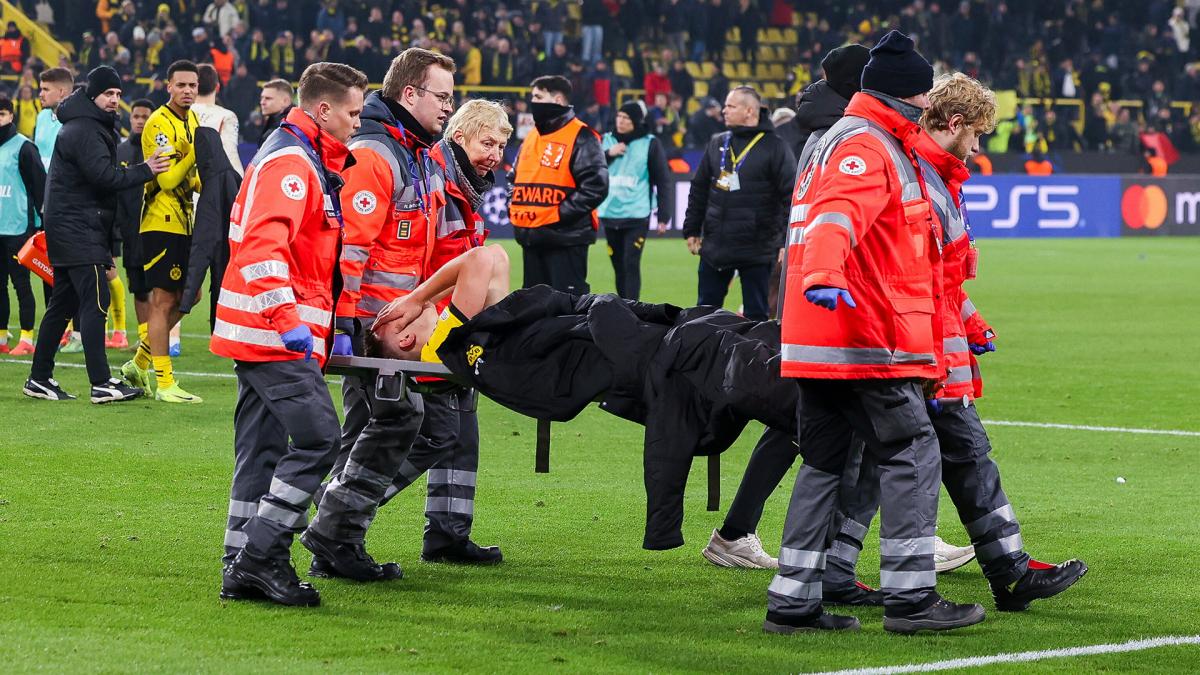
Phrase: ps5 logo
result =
(1052, 200)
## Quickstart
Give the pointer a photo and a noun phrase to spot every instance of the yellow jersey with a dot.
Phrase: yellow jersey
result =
(449, 319)
(168, 201)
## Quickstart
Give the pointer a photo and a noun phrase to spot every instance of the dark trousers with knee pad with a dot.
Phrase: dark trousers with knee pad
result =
(972, 480)
(889, 415)
(285, 432)
(447, 452)
(377, 436)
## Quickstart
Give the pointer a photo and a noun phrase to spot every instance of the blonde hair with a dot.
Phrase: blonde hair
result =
(476, 116)
(958, 94)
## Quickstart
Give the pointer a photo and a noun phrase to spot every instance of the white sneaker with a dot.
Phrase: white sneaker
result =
(947, 557)
(746, 552)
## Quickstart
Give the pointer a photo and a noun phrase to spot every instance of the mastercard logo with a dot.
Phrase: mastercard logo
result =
(1144, 206)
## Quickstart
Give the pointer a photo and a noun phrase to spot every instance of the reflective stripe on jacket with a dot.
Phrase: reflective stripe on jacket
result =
(394, 196)
(860, 220)
(284, 240)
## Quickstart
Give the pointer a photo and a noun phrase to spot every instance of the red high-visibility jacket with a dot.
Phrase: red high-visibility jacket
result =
(861, 221)
(944, 175)
(459, 228)
(394, 197)
(284, 241)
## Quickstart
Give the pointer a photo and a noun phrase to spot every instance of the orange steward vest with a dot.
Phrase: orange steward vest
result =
(544, 177)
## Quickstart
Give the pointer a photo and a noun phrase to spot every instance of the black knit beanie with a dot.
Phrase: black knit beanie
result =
(101, 80)
(844, 67)
(896, 69)
(635, 111)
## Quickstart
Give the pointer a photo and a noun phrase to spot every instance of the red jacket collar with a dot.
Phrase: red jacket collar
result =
(332, 151)
(952, 170)
(867, 106)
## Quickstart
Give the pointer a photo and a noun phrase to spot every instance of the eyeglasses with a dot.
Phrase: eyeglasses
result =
(445, 98)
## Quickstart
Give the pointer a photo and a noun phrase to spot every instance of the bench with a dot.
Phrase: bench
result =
(394, 377)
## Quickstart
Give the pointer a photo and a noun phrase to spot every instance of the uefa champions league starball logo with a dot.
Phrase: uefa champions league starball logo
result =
(495, 206)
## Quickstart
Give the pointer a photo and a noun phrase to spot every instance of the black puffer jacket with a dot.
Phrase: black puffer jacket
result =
(744, 226)
(590, 170)
(84, 181)
(818, 107)
(129, 205)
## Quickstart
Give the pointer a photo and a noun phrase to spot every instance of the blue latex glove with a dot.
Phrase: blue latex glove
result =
(299, 339)
(934, 405)
(342, 345)
(827, 297)
(981, 349)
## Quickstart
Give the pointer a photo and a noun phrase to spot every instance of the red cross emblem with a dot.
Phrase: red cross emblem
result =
(853, 166)
(293, 187)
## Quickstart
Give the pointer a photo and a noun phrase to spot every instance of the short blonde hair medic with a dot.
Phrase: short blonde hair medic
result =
(958, 94)
(476, 116)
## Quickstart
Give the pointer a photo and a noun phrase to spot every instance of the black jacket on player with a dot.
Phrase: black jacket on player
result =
(129, 204)
(84, 181)
(693, 377)
(744, 226)
(219, 185)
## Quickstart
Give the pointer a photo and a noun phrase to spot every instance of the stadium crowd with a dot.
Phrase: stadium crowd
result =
(1099, 52)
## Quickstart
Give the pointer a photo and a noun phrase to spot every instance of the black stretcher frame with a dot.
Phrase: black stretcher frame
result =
(394, 377)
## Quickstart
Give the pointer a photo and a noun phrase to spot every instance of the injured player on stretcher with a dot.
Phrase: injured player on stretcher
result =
(694, 377)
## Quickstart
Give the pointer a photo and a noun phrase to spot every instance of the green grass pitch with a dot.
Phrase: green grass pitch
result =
(112, 517)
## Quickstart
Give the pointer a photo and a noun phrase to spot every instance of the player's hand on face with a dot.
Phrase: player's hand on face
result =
(401, 309)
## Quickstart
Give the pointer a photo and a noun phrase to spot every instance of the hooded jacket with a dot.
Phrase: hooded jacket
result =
(84, 180)
(818, 107)
(744, 226)
(219, 185)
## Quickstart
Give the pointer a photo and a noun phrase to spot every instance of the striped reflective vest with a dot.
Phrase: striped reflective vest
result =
(944, 175)
(394, 200)
(860, 220)
(284, 241)
(544, 179)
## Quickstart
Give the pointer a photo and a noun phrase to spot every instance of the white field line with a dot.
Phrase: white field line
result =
(1087, 427)
(80, 365)
(1025, 657)
(995, 423)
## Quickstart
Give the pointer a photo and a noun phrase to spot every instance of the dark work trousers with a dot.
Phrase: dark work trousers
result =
(285, 438)
(626, 239)
(714, 286)
(972, 480)
(80, 292)
(18, 274)
(446, 451)
(377, 437)
(890, 416)
(563, 268)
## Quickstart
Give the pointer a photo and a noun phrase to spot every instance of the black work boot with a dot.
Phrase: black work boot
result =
(1040, 581)
(782, 624)
(858, 595)
(347, 561)
(941, 615)
(250, 578)
(464, 552)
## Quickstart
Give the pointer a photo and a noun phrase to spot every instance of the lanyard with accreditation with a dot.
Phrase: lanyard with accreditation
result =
(728, 180)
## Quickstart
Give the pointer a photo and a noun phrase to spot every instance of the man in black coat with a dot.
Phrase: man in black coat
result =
(219, 185)
(129, 210)
(81, 201)
(738, 205)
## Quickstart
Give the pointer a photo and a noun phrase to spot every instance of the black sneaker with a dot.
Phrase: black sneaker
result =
(46, 389)
(114, 390)
(1040, 581)
(858, 595)
(781, 624)
(249, 578)
(941, 615)
(464, 552)
(347, 561)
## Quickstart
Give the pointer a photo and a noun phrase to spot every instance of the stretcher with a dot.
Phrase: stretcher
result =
(394, 378)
